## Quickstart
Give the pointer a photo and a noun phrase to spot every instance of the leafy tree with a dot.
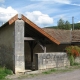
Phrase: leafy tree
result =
(77, 26)
(67, 25)
(61, 24)
(64, 24)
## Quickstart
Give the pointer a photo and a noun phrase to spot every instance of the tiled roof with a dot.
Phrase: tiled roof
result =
(76, 36)
(64, 36)
(55, 35)
(32, 25)
(40, 30)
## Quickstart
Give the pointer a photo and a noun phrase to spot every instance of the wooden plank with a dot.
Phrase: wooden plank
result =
(32, 45)
(40, 30)
(13, 19)
(28, 38)
(42, 46)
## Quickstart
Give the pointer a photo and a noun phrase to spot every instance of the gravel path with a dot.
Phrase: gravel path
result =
(73, 75)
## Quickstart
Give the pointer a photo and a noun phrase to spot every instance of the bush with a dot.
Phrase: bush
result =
(76, 64)
(73, 52)
(71, 58)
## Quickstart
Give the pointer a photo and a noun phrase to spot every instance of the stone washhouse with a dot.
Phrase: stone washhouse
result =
(24, 45)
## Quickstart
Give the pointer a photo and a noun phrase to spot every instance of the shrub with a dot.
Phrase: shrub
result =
(71, 59)
(73, 52)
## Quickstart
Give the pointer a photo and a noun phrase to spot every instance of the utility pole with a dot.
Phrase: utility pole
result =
(72, 23)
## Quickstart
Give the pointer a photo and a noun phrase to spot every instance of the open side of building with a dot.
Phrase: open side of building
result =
(19, 40)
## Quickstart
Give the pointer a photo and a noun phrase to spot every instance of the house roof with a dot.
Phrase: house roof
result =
(64, 36)
(76, 36)
(9, 22)
(34, 26)
(55, 35)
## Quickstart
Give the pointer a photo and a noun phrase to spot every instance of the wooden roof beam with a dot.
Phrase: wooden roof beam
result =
(13, 19)
(28, 38)
(40, 30)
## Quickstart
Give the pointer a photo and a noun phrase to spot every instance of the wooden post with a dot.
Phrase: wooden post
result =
(32, 45)
(44, 49)
(42, 46)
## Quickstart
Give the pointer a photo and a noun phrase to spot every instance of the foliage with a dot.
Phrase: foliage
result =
(61, 24)
(4, 72)
(67, 25)
(73, 52)
(76, 64)
(71, 58)
(77, 26)
(64, 24)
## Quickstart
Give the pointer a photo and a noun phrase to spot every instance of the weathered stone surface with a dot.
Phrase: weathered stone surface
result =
(6, 56)
(51, 60)
(19, 46)
(7, 46)
(77, 60)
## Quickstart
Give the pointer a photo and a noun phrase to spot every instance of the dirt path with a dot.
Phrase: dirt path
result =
(73, 75)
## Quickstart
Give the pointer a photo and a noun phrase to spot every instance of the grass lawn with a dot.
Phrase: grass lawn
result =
(4, 72)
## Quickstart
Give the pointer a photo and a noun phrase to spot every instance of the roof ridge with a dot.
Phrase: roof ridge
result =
(40, 30)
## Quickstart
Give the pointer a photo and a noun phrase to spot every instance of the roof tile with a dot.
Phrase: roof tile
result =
(64, 36)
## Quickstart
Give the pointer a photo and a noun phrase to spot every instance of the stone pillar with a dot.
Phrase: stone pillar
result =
(19, 46)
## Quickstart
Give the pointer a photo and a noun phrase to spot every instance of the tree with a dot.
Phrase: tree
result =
(77, 26)
(61, 24)
(67, 25)
(64, 24)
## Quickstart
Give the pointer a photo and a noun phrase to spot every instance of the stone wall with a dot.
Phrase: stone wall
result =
(77, 60)
(49, 48)
(51, 60)
(7, 46)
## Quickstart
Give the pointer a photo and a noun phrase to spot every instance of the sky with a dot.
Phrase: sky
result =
(44, 13)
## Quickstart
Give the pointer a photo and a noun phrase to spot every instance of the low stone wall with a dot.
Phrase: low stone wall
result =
(51, 60)
(77, 60)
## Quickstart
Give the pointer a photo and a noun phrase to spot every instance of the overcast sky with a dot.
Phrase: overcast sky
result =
(41, 12)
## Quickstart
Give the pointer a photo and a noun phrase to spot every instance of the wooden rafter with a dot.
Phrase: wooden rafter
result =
(34, 26)
(28, 38)
(13, 19)
(40, 30)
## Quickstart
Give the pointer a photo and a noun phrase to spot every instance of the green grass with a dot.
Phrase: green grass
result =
(76, 64)
(58, 70)
(4, 72)
(49, 71)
